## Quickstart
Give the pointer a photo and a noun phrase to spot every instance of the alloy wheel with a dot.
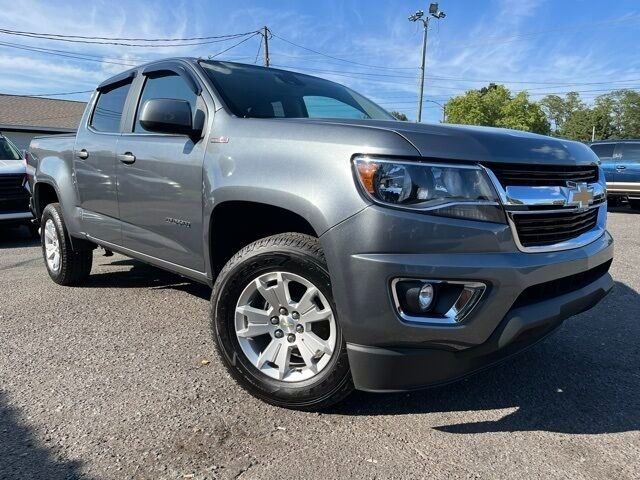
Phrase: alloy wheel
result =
(285, 326)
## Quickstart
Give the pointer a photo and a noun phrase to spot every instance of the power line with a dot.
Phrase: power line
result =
(81, 37)
(337, 58)
(258, 52)
(60, 53)
(234, 45)
(56, 94)
(74, 39)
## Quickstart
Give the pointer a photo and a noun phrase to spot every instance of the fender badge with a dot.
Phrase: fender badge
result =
(220, 140)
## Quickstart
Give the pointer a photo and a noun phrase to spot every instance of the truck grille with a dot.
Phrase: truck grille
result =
(14, 197)
(546, 228)
(542, 175)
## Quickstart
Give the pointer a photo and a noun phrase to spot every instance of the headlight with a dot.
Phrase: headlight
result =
(462, 191)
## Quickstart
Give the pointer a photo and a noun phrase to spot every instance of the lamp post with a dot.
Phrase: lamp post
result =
(434, 12)
(444, 112)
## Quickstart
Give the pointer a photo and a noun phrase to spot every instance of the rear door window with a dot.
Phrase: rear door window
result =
(108, 110)
(604, 151)
(631, 152)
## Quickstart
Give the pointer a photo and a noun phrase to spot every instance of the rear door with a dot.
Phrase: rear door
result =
(95, 162)
(160, 180)
(628, 169)
(605, 152)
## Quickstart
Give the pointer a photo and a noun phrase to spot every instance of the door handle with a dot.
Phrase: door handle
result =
(620, 167)
(127, 158)
(83, 154)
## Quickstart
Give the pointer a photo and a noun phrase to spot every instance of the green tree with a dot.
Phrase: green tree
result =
(559, 109)
(520, 113)
(624, 109)
(495, 106)
(399, 116)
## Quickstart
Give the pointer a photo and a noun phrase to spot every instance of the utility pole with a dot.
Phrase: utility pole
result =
(593, 134)
(265, 34)
(435, 12)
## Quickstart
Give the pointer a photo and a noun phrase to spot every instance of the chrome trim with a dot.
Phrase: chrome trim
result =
(576, 242)
(370, 158)
(458, 311)
(534, 196)
(524, 200)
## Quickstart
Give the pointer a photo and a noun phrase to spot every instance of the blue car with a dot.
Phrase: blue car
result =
(620, 160)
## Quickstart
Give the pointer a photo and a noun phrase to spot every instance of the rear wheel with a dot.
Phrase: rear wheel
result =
(275, 324)
(635, 203)
(65, 265)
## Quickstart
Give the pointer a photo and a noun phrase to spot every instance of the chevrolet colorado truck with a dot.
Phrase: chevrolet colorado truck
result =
(345, 249)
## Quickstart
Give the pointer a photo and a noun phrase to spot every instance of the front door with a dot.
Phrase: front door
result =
(628, 169)
(605, 152)
(160, 183)
(94, 159)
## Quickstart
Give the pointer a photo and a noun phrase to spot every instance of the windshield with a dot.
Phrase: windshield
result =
(257, 92)
(8, 151)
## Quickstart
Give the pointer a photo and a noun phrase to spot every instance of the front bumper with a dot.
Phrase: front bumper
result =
(378, 369)
(387, 353)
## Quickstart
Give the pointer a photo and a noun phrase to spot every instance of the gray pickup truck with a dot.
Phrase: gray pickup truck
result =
(345, 249)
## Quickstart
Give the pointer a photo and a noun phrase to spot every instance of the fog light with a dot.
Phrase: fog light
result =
(436, 301)
(425, 297)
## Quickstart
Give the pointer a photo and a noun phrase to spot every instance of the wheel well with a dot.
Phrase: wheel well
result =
(236, 224)
(44, 195)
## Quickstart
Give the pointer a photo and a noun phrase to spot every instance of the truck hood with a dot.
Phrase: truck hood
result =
(8, 167)
(484, 144)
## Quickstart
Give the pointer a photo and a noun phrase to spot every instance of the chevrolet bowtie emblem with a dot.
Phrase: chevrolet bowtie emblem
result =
(580, 195)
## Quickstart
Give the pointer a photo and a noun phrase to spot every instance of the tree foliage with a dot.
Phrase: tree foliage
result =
(495, 106)
(614, 115)
(399, 116)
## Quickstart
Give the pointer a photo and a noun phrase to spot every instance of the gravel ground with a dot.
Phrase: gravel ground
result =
(119, 380)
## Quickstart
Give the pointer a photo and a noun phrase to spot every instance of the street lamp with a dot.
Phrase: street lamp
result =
(444, 111)
(434, 12)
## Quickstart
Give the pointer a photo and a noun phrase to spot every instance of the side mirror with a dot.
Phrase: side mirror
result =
(167, 115)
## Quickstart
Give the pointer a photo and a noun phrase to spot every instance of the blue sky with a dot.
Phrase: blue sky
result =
(543, 46)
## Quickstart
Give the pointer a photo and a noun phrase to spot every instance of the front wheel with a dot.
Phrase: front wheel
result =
(275, 324)
(65, 265)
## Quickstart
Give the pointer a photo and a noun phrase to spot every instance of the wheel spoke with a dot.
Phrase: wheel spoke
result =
(315, 343)
(315, 315)
(277, 294)
(307, 356)
(254, 315)
(268, 293)
(283, 359)
(306, 302)
(254, 330)
(269, 354)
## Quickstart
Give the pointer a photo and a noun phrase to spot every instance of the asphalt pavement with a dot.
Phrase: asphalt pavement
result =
(119, 379)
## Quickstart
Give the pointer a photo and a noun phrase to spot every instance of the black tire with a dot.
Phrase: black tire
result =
(301, 255)
(75, 265)
(635, 204)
